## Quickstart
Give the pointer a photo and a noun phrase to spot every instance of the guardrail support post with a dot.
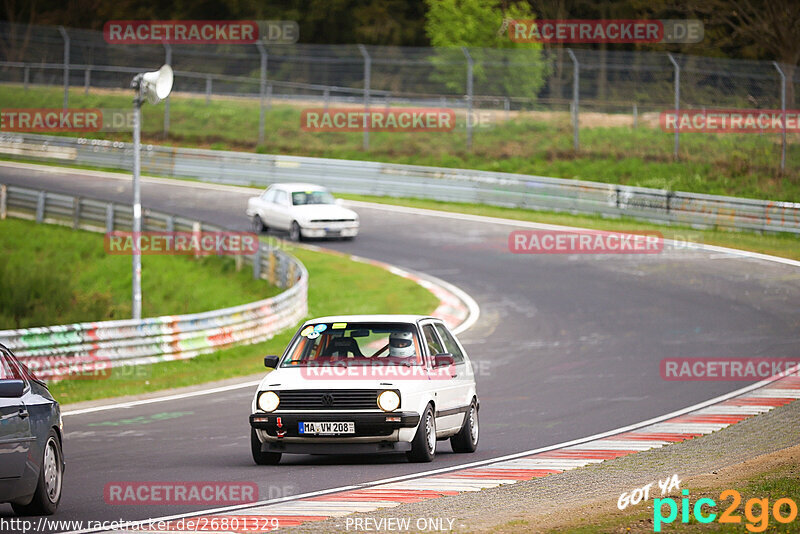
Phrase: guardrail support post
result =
(262, 88)
(677, 104)
(208, 90)
(257, 263)
(367, 84)
(109, 217)
(26, 77)
(507, 107)
(170, 223)
(40, 206)
(65, 36)
(3, 201)
(87, 80)
(576, 78)
(326, 95)
(635, 116)
(76, 213)
(783, 115)
(470, 68)
(168, 61)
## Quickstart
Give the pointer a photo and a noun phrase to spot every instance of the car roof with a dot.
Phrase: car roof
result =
(298, 186)
(380, 318)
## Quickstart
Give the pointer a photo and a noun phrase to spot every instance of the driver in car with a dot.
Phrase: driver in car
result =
(401, 345)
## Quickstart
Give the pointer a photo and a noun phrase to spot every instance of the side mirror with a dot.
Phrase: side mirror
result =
(271, 361)
(11, 388)
(444, 359)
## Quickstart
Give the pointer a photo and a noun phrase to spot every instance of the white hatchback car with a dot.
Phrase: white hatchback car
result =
(303, 210)
(366, 384)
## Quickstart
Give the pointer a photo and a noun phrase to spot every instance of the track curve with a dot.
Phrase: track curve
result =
(567, 346)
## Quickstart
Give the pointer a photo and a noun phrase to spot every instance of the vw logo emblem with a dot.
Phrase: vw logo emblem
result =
(327, 399)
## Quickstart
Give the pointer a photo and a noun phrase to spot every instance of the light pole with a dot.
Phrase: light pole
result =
(154, 86)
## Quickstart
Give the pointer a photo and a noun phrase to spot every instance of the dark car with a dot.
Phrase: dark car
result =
(31, 459)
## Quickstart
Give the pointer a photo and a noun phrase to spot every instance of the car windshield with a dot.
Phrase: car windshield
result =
(301, 198)
(355, 344)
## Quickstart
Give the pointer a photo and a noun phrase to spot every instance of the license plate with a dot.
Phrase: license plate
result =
(327, 428)
(333, 231)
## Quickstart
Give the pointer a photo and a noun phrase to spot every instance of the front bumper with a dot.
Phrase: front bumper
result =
(333, 231)
(376, 425)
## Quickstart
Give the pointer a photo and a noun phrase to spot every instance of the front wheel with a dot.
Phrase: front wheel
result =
(258, 224)
(51, 477)
(423, 446)
(467, 438)
(294, 232)
(260, 457)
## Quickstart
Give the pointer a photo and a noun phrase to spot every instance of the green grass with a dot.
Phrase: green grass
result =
(773, 484)
(783, 245)
(337, 286)
(729, 164)
(55, 275)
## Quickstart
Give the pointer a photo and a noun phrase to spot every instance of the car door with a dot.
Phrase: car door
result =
(465, 375)
(16, 437)
(281, 210)
(265, 206)
(446, 387)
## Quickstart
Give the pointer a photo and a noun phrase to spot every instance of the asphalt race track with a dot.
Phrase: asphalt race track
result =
(566, 346)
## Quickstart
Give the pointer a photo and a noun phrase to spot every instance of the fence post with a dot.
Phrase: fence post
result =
(677, 103)
(87, 80)
(208, 90)
(576, 68)
(507, 107)
(262, 89)
(635, 115)
(470, 66)
(326, 94)
(76, 213)
(167, 61)
(3, 201)
(783, 115)
(367, 83)
(269, 96)
(40, 207)
(65, 36)
(257, 263)
(109, 217)
(26, 76)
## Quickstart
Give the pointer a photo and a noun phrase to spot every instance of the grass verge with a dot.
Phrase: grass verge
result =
(534, 143)
(337, 286)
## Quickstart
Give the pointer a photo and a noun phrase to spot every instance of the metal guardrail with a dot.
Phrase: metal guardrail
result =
(385, 179)
(93, 348)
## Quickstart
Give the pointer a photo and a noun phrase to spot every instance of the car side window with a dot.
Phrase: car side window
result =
(434, 346)
(268, 195)
(450, 343)
(280, 197)
(8, 371)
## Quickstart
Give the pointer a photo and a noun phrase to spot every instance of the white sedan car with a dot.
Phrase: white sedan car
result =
(303, 210)
(366, 384)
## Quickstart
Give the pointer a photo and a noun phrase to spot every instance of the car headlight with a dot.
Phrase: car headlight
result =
(388, 401)
(269, 401)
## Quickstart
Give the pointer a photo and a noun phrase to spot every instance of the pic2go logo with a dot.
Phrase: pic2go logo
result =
(783, 511)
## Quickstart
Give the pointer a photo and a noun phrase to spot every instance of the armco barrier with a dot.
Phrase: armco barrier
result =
(85, 349)
(384, 179)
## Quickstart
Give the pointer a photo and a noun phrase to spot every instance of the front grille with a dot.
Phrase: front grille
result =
(332, 220)
(329, 399)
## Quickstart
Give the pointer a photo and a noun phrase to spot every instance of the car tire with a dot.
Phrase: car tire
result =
(260, 457)
(294, 232)
(51, 478)
(467, 438)
(258, 225)
(423, 446)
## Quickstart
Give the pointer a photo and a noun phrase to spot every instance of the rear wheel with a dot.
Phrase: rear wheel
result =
(467, 438)
(423, 446)
(51, 476)
(260, 457)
